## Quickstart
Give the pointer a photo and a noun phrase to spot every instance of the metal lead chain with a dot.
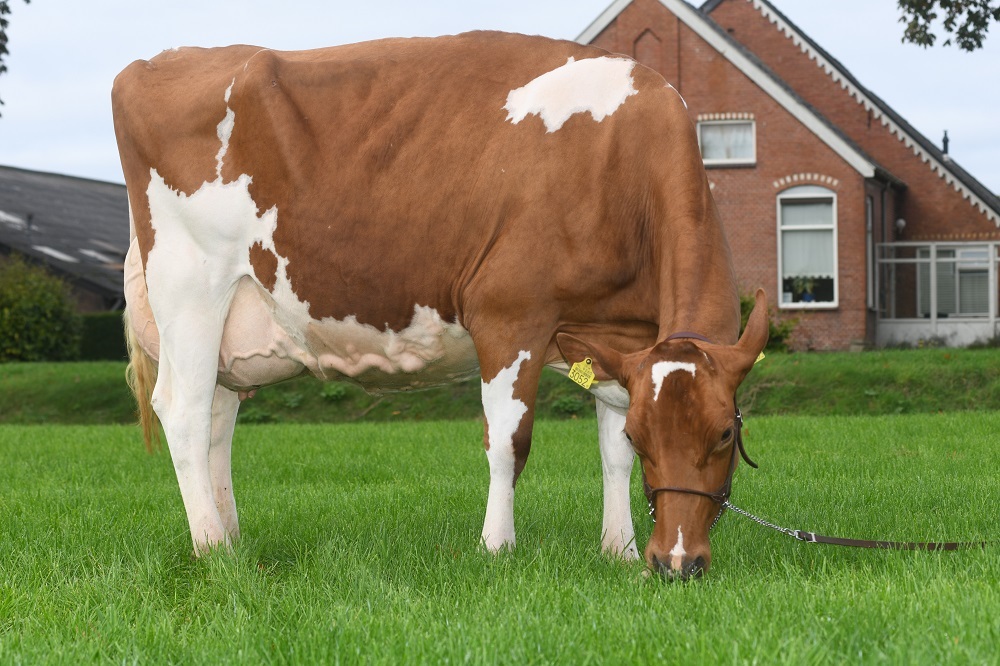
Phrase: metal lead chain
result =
(760, 521)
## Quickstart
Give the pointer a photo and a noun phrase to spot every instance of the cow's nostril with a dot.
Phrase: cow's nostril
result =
(695, 569)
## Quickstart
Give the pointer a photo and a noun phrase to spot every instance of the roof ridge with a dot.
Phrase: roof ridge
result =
(53, 174)
(978, 195)
(752, 66)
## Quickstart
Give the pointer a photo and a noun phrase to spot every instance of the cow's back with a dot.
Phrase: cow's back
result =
(395, 179)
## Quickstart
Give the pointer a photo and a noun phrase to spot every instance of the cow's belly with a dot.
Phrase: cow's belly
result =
(264, 343)
(429, 352)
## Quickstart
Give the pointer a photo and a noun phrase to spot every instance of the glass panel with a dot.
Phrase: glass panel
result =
(809, 212)
(727, 141)
(973, 292)
(807, 253)
(901, 291)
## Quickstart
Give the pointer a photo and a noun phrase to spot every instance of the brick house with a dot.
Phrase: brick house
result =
(854, 222)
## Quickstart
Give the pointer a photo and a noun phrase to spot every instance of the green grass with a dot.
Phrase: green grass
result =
(883, 382)
(360, 543)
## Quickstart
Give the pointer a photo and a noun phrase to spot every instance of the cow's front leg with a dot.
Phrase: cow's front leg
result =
(617, 460)
(509, 404)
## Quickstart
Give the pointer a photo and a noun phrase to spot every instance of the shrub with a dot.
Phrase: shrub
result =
(38, 321)
(103, 337)
(333, 392)
(780, 327)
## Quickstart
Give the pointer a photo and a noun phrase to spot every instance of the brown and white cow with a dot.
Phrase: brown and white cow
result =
(407, 213)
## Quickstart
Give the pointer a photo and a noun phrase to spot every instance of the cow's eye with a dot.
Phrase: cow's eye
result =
(627, 436)
(727, 434)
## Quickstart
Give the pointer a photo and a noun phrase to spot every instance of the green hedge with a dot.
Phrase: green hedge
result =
(38, 321)
(103, 337)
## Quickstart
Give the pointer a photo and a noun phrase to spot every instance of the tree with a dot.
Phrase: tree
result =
(4, 22)
(966, 21)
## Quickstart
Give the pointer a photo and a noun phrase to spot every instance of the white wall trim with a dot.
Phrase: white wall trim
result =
(598, 25)
(699, 24)
(840, 77)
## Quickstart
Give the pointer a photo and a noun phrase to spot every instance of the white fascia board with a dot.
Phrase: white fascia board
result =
(689, 16)
(591, 32)
(803, 114)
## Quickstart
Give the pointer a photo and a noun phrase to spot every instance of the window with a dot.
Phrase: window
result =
(962, 276)
(807, 247)
(727, 142)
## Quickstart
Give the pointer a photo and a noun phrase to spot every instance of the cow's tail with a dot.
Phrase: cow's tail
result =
(141, 377)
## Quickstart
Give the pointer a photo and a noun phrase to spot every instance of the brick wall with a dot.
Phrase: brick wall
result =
(933, 209)
(788, 154)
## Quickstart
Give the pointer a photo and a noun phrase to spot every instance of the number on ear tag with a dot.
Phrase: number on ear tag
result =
(583, 373)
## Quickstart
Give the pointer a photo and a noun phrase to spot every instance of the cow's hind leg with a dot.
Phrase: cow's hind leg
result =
(509, 390)
(183, 400)
(617, 459)
(224, 408)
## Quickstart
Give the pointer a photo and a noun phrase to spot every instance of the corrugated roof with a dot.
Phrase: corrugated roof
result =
(77, 226)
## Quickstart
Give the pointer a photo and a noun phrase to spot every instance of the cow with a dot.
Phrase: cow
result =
(407, 213)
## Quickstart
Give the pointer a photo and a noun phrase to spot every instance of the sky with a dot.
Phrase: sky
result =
(66, 53)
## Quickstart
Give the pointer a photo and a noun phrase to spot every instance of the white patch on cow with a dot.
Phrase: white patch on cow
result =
(503, 410)
(608, 391)
(664, 368)
(595, 85)
(677, 553)
(503, 416)
(225, 131)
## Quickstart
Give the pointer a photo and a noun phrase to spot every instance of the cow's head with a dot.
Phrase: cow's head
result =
(682, 423)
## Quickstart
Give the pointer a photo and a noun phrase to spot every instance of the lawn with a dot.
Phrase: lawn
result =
(360, 543)
(877, 382)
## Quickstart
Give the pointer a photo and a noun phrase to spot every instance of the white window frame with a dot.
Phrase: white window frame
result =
(963, 260)
(809, 193)
(735, 161)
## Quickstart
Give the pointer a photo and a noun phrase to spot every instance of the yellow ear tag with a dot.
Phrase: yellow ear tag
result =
(582, 373)
(760, 358)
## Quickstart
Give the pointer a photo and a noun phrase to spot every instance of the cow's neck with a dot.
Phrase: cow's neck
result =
(698, 291)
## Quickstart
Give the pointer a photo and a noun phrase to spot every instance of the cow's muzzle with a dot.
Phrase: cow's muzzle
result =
(689, 569)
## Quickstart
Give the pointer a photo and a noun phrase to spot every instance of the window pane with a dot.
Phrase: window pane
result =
(807, 253)
(727, 141)
(974, 292)
(801, 213)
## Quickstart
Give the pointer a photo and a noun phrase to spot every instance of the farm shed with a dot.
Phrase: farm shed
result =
(76, 227)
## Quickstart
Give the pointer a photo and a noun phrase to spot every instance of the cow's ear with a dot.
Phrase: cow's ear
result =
(743, 355)
(607, 363)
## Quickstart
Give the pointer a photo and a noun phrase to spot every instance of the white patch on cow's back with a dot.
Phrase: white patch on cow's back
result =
(594, 85)
(225, 131)
(664, 368)
(677, 553)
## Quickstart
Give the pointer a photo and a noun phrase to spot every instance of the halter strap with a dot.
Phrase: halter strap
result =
(688, 334)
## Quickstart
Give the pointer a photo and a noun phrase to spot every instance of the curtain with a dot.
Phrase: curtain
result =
(727, 141)
(807, 253)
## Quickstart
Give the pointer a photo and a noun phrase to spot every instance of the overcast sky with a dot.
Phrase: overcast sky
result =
(65, 54)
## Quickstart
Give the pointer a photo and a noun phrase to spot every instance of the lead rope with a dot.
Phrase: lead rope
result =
(812, 537)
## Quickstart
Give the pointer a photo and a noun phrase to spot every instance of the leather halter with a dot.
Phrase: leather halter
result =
(720, 496)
